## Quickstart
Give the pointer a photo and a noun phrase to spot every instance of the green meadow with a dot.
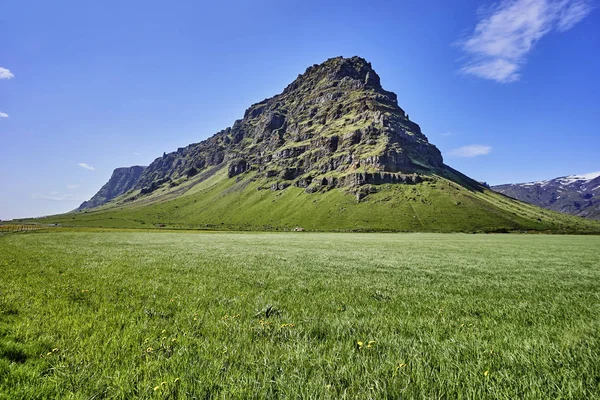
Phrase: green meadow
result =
(134, 314)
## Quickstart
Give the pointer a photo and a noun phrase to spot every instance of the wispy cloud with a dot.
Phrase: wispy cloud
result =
(507, 31)
(446, 133)
(574, 12)
(6, 74)
(135, 153)
(70, 187)
(86, 166)
(471, 151)
(3, 115)
(54, 196)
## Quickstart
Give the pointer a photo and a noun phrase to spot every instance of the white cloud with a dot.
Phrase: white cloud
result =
(54, 196)
(70, 187)
(572, 14)
(498, 70)
(471, 151)
(446, 133)
(86, 166)
(3, 115)
(6, 74)
(507, 32)
(135, 153)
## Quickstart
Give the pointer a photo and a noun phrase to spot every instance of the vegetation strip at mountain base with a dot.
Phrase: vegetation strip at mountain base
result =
(246, 203)
(298, 315)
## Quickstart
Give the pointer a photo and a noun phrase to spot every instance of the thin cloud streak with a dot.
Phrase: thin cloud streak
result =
(507, 32)
(471, 151)
(6, 74)
(56, 197)
(3, 115)
(86, 166)
(575, 12)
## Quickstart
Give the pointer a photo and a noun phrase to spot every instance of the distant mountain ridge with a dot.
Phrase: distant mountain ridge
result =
(574, 194)
(121, 181)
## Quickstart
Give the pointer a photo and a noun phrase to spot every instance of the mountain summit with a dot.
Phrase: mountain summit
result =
(334, 126)
(333, 151)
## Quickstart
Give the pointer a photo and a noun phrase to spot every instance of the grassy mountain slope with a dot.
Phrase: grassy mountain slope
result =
(246, 202)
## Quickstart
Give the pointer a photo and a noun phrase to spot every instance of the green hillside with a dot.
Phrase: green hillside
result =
(247, 202)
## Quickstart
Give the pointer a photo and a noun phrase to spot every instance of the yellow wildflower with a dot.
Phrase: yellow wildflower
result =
(149, 350)
(176, 380)
(486, 373)
(156, 388)
(360, 344)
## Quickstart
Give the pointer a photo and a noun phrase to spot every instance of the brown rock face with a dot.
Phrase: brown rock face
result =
(333, 124)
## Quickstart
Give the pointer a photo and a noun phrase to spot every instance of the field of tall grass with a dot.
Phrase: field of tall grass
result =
(121, 315)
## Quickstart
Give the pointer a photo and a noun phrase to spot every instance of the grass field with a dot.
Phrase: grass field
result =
(119, 314)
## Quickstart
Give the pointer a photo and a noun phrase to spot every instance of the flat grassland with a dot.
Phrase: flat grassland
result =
(117, 314)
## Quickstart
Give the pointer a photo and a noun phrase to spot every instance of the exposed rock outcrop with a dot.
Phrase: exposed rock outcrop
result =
(121, 181)
(334, 122)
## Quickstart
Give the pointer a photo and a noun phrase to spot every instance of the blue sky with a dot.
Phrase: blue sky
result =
(509, 91)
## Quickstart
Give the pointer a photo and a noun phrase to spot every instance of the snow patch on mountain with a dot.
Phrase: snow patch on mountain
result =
(567, 180)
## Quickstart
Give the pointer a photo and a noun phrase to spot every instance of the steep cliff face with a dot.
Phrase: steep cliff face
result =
(573, 194)
(121, 181)
(334, 126)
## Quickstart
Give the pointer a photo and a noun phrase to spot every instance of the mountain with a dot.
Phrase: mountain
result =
(334, 126)
(333, 151)
(574, 194)
(121, 181)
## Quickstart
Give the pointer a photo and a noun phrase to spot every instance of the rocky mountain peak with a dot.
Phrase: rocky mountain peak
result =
(333, 126)
(355, 71)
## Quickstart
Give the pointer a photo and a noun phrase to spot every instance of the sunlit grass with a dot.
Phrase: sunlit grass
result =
(241, 315)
